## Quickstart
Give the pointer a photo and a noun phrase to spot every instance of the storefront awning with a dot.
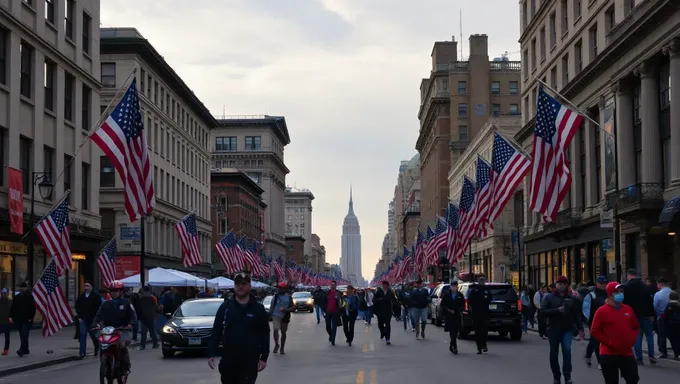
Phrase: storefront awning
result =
(669, 216)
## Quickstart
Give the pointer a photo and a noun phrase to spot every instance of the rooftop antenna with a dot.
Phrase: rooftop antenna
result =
(224, 111)
(461, 34)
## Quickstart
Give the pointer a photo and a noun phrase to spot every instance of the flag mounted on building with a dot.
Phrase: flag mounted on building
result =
(550, 176)
(452, 223)
(188, 237)
(106, 261)
(467, 219)
(482, 226)
(121, 138)
(508, 168)
(54, 234)
(51, 301)
(229, 254)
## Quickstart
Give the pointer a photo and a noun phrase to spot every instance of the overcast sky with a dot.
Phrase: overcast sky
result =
(344, 73)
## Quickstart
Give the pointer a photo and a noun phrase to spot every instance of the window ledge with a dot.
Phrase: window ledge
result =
(3, 87)
(87, 55)
(578, 19)
(564, 35)
(51, 25)
(542, 60)
(552, 49)
(30, 7)
(50, 112)
(70, 41)
(591, 3)
(69, 123)
(27, 100)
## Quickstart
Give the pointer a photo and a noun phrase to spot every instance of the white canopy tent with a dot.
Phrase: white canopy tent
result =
(257, 284)
(160, 277)
(222, 282)
(189, 276)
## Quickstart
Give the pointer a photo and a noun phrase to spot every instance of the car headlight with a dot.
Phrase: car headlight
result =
(168, 329)
(310, 301)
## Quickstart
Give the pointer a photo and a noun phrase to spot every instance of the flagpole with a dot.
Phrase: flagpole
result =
(470, 260)
(142, 253)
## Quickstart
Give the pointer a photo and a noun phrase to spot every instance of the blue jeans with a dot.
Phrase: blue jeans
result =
(368, 315)
(558, 339)
(84, 329)
(647, 330)
(406, 316)
(319, 312)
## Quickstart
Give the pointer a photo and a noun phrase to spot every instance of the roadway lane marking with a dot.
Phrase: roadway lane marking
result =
(368, 348)
(373, 377)
(360, 377)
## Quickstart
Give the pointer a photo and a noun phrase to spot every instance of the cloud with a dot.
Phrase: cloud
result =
(345, 73)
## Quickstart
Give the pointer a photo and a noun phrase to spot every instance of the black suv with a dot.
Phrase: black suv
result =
(505, 310)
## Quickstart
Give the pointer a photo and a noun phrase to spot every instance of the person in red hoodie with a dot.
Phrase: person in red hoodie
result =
(616, 327)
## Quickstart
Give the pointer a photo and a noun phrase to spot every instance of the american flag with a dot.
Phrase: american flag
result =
(280, 269)
(452, 223)
(429, 247)
(229, 254)
(467, 219)
(51, 301)
(249, 255)
(421, 244)
(121, 138)
(509, 167)
(54, 235)
(550, 176)
(483, 225)
(188, 237)
(107, 262)
(439, 240)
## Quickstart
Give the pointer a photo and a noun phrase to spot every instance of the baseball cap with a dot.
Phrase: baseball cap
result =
(612, 287)
(282, 284)
(602, 280)
(242, 277)
(562, 279)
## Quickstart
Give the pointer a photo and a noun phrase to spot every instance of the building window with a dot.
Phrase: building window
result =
(495, 109)
(3, 154)
(495, 87)
(85, 186)
(223, 226)
(592, 37)
(4, 38)
(68, 18)
(48, 165)
(564, 13)
(583, 165)
(462, 110)
(26, 69)
(534, 99)
(578, 56)
(28, 2)
(87, 26)
(637, 133)
(109, 75)
(534, 53)
(553, 30)
(525, 15)
(565, 70)
(49, 11)
(50, 77)
(665, 120)
(462, 87)
(256, 177)
(526, 106)
(525, 59)
(542, 42)
(69, 96)
(25, 155)
(445, 84)
(462, 133)
(87, 103)
(108, 173)
(253, 143)
(514, 88)
(514, 109)
(577, 9)
(553, 77)
(609, 20)
(68, 167)
(598, 166)
(225, 144)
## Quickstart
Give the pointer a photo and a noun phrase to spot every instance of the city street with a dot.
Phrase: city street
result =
(311, 359)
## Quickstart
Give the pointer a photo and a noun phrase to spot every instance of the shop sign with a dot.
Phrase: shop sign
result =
(16, 200)
(130, 233)
(126, 266)
(78, 257)
(9, 248)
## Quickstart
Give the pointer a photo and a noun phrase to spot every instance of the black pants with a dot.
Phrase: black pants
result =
(232, 373)
(481, 329)
(6, 330)
(453, 328)
(593, 346)
(385, 325)
(541, 324)
(24, 331)
(348, 326)
(674, 337)
(612, 365)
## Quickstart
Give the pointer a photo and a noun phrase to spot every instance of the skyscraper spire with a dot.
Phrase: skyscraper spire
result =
(351, 203)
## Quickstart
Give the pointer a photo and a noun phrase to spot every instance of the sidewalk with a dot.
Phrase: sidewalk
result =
(57, 349)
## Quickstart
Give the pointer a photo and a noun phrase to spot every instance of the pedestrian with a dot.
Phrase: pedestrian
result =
(540, 319)
(420, 299)
(479, 299)
(453, 304)
(147, 307)
(319, 297)
(660, 300)
(672, 319)
(405, 300)
(333, 311)
(5, 318)
(383, 301)
(23, 312)
(616, 327)
(639, 297)
(527, 311)
(280, 309)
(242, 325)
(349, 313)
(369, 306)
(591, 303)
(362, 304)
(87, 305)
(564, 319)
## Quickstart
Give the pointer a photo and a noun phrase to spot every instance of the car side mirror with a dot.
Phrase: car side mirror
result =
(168, 314)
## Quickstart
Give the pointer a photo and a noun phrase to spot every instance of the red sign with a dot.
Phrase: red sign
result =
(126, 266)
(16, 200)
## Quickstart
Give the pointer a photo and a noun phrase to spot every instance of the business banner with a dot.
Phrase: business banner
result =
(610, 146)
(16, 200)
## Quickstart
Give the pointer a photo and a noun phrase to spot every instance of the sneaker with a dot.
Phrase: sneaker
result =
(664, 356)
(276, 349)
(557, 381)
(568, 381)
(640, 362)
(652, 360)
(599, 366)
(388, 342)
(282, 352)
(5, 352)
(422, 333)
(455, 350)
(589, 362)
(413, 329)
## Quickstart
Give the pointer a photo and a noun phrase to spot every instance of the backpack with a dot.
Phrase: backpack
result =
(286, 316)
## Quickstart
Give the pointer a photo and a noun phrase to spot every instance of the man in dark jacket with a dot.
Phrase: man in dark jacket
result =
(333, 311)
(638, 296)
(591, 303)
(87, 305)
(479, 298)
(420, 298)
(5, 318)
(452, 305)
(563, 312)
(319, 302)
(118, 313)
(23, 312)
(242, 325)
(147, 308)
(382, 306)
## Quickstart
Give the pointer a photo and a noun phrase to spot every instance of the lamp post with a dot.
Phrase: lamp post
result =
(42, 180)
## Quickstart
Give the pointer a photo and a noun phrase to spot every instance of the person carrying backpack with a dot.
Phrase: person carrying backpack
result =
(591, 303)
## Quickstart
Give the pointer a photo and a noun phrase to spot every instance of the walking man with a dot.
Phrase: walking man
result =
(319, 302)
(453, 303)
(382, 305)
(280, 310)
(87, 305)
(661, 299)
(146, 310)
(350, 312)
(639, 298)
(242, 324)
(5, 318)
(592, 302)
(420, 298)
(478, 303)
(539, 315)
(333, 311)
(23, 312)
(563, 312)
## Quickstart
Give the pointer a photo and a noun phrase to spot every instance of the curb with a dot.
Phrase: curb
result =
(43, 364)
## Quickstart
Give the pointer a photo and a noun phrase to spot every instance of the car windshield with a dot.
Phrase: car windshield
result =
(198, 308)
(503, 293)
(267, 300)
(302, 295)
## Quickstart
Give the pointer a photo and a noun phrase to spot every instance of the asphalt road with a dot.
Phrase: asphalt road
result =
(311, 359)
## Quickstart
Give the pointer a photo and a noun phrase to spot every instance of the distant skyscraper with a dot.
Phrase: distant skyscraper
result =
(350, 261)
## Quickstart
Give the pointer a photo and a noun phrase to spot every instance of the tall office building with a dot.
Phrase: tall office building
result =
(350, 261)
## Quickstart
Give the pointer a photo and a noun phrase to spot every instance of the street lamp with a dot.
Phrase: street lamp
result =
(45, 186)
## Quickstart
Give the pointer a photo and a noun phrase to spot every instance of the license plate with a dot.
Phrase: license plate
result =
(194, 341)
(493, 306)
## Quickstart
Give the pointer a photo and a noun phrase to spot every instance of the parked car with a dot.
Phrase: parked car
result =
(436, 316)
(190, 327)
(505, 310)
(267, 302)
(303, 301)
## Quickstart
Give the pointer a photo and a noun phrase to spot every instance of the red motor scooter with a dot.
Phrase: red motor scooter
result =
(111, 356)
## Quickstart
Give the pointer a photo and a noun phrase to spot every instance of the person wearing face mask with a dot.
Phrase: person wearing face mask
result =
(563, 312)
(453, 303)
(616, 327)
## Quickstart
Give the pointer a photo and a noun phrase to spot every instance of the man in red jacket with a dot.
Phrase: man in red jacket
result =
(616, 327)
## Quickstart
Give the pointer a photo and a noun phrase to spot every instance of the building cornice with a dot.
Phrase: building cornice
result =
(275, 123)
(231, 174)
(538, 15)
